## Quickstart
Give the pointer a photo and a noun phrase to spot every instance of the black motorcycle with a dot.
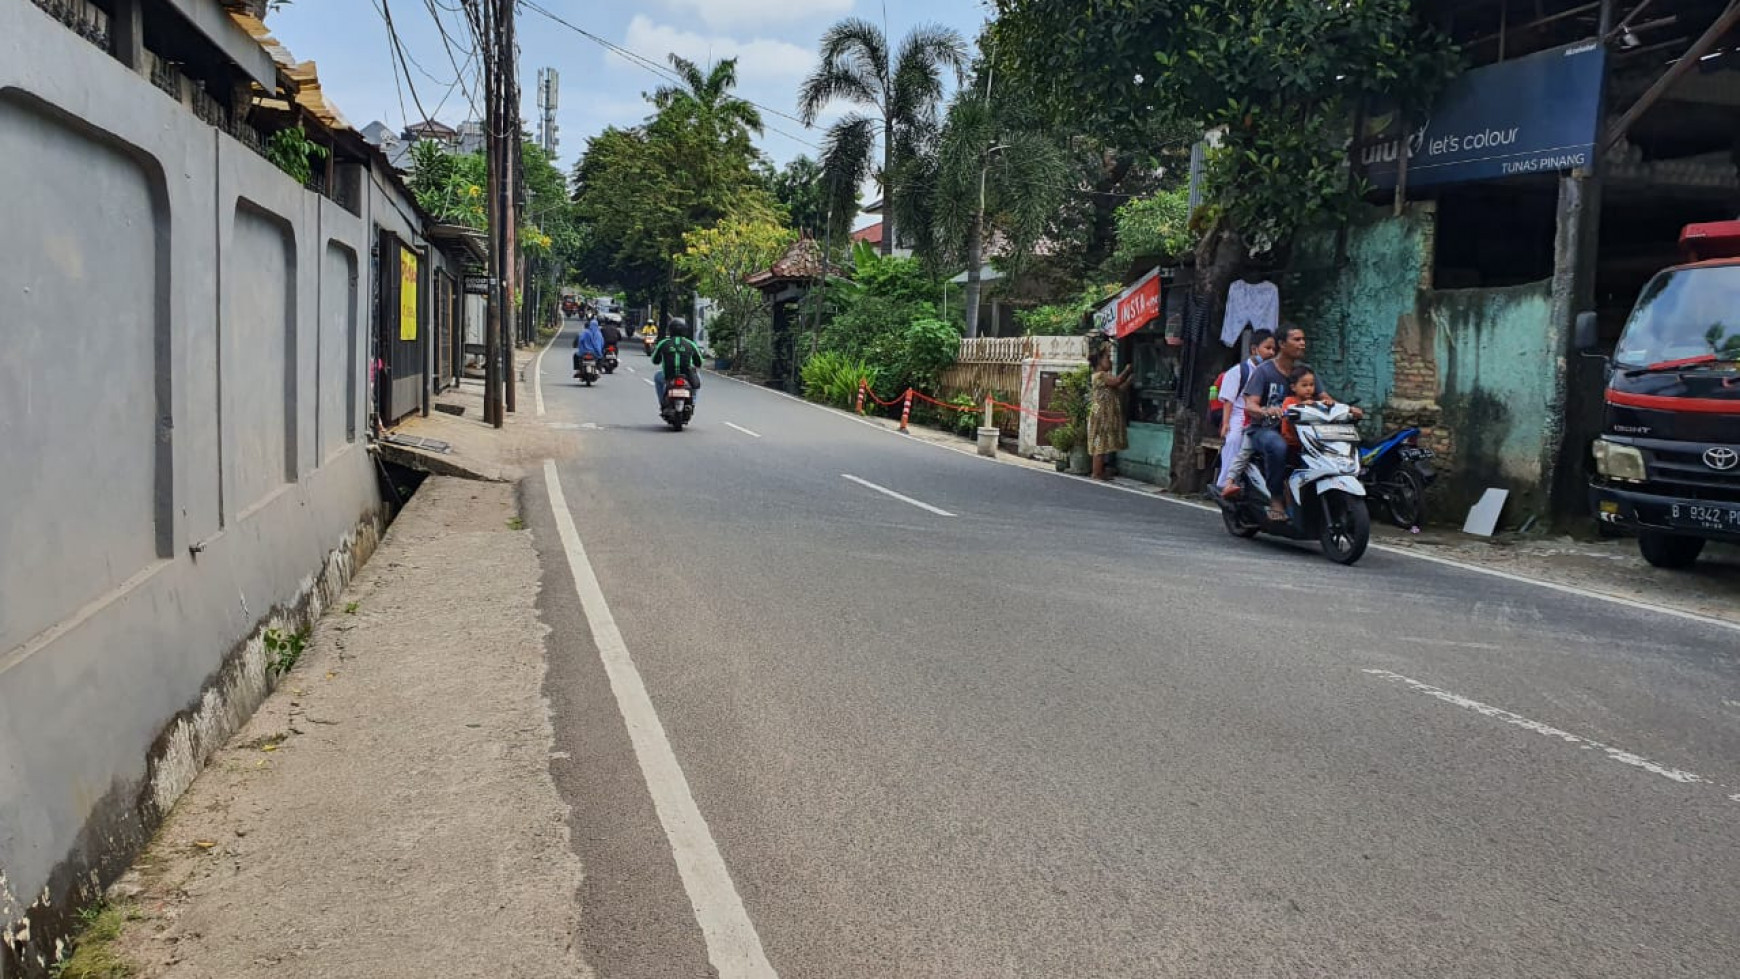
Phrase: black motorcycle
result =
(1397, 471)
(586, 368)
(678, 406)
(610, 359)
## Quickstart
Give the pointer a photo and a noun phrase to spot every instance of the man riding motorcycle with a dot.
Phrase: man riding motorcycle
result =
(1264, 393)
(677, 355)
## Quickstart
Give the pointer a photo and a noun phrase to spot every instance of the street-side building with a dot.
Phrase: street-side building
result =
(199, 346)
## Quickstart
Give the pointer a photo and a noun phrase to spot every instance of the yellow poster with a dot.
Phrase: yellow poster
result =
(407, 294)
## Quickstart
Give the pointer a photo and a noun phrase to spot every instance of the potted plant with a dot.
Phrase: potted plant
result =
(1071, 397)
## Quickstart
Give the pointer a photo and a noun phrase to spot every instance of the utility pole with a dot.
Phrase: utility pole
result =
(510, 150)
(489, 39)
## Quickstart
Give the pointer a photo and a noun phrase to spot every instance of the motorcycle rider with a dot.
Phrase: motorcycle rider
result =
(677, 355)
(612, 335)
(1233, 455)
(1264, 394)
(589, 341)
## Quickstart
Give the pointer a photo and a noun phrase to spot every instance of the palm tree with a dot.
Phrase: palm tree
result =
(992, 167)
(902, 92)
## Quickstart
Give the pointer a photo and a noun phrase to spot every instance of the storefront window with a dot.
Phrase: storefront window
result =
(1153, 353)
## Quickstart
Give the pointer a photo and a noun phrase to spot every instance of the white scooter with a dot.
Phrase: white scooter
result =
(1331, 501)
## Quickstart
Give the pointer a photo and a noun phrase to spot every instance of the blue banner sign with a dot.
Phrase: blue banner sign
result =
(1536, 114)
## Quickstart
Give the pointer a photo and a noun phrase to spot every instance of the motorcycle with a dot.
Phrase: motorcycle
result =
(1331, 507)
(649, 341)
(1397, 471)
(610, 360)
(679, 404)
(586, 369)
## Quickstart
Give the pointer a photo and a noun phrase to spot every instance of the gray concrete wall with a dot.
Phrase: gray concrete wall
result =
(183, 404)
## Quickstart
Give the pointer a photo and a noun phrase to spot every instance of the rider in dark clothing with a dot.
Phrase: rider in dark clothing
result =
(677, 355)
(612, 334)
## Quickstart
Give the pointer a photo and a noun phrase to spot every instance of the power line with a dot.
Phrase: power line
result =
(667, 74)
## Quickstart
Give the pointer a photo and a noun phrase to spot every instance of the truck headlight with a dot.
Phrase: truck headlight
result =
(1619, 461)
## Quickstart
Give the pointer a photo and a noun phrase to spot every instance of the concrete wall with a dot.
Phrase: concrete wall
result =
(1475, 368)
(183, 403)
(1149, 457)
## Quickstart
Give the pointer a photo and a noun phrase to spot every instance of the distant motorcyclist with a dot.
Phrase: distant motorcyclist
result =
(589, 341)
(612, 334)
(677, 355)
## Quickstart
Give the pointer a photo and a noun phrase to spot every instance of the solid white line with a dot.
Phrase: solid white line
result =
(733, 946)
(538, 372)
(1617, 754)
(885, 491)
(1407, 552)
(745, 431)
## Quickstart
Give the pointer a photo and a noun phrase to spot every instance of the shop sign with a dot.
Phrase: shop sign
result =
(408, 279)
(1106, 318)
(1139, 304)
(477, 285)
(1536, 114)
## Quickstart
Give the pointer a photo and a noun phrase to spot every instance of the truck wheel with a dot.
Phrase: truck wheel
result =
(1669, 550)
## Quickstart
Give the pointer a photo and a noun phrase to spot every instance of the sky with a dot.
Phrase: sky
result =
(774, 40)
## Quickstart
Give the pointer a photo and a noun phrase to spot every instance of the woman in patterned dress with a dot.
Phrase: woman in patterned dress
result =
(1106, 413)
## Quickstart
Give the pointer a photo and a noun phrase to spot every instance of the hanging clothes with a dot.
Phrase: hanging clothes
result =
(1253, 304)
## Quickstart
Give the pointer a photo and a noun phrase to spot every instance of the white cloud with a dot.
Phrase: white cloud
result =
(760, 60)
(719, 14)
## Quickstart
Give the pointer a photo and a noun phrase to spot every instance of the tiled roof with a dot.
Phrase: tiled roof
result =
(802, 261)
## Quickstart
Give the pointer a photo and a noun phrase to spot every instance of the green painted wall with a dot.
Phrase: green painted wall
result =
(1491, 348)
(1350, 311)
(1496, 368)
(1149, 456)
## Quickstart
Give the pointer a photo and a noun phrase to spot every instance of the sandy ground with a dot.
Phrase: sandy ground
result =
(390, 811)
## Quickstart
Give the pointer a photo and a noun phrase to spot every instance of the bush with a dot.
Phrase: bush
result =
(1072, 396)
(916, 356)
(831, 377)
(1066, 437)
(966, 420)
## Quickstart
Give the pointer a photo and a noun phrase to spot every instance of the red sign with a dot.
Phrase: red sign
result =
(1139, 304)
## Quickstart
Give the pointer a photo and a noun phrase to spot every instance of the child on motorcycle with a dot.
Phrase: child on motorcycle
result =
(1301, 389)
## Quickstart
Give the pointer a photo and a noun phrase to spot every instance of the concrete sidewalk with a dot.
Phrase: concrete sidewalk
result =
(390, 811)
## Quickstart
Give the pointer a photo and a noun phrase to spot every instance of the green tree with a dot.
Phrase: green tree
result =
(902, 89)
(1278, 80)
(450, 186)
(799, 188)
(719, 258)
(1156, 226)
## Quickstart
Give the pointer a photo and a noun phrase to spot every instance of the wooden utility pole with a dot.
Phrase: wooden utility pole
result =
(510, 152)
(490, 41)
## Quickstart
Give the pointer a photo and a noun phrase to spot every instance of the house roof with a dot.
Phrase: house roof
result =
(801, 262)
(870, 234)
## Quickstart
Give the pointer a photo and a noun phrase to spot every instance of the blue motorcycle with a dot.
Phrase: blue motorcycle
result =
(1396, 472)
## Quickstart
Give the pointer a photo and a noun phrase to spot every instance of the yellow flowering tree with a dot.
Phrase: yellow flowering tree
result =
(717, 259)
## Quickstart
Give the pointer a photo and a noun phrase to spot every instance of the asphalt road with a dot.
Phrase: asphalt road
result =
(1070, 731)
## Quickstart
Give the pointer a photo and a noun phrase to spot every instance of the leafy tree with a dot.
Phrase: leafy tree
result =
(1278, 80)
(799, 188)
(902, 89)
(717, 260)
(448, 185)
(1155, 226)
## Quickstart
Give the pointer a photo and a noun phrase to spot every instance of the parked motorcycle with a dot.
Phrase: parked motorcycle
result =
(610, 360)
(1331, 506)
(1396, 472)
(587, 369)
(679, 404)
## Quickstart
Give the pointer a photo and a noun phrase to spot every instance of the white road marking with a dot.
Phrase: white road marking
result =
(733, 946)
(649, 382)
(1617, 754)
(538, 374)
(1407, 552)
(885, 491)
(745, 431)
(631, 370)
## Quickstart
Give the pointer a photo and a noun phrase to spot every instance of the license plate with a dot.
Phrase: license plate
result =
(1705, 516)
(679, 392)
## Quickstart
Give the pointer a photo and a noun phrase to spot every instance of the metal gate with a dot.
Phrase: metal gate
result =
(401, 331)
